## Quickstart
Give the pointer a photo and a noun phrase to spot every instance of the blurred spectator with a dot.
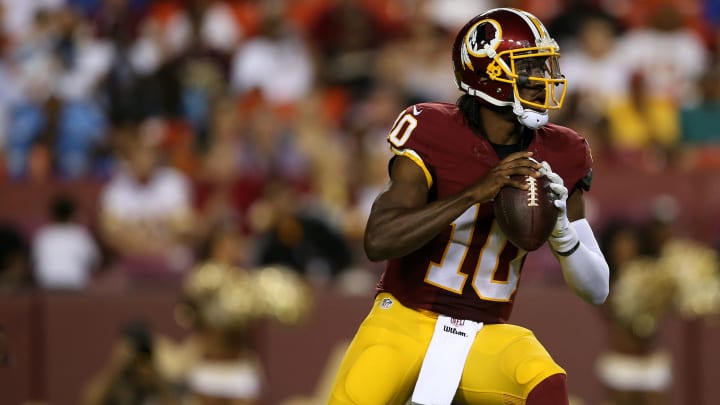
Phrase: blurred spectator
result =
(290, 235)
(64, 251)
(10, 90)
(119, 23)
(671, 74)
(644, 123)
(595, 70)
(371, 177)
(452, 14)
(268, 147)
(570, 17)
(194, 43)
(325, 146)
(60, 56)
(262, 63)
(367, 123)
(145, 79)
(131, 376)
(693, 14)
(204, 73)
(83, 58)
(116, 20)
(346, 36)
(227, 369)
(15, 270)
(226, 246)
(428, 78)
(66, 133)
(224, 305)
(18, 16)
(38, 67)
(224, 190)
(699, 121)
(654, 273)
(55, 125)
(146, 214)
(633, 369)
(213, 24)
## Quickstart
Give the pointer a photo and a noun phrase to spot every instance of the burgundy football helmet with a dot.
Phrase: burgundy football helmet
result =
(504, 48)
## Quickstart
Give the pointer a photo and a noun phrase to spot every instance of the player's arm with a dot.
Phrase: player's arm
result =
(402, 220)
(574, 245)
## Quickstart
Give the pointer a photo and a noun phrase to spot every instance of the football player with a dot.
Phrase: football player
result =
(438, 331)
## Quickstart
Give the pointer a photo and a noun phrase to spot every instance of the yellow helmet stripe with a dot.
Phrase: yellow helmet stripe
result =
(538, 25)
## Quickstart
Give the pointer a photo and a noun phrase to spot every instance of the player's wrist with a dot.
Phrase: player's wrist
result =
(562, 226)
(564, 240)
(566, 253)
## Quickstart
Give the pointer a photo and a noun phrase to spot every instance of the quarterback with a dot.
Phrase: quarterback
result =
(438, 331)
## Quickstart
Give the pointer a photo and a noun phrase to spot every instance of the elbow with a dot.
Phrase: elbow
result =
(373, 254)
(382, 247)
(594, 287)
(604, 290)
(374, 250)
(599, 296)
(594, 297)
(600, 292)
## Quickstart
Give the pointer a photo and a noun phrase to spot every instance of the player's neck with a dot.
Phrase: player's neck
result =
(501, 127)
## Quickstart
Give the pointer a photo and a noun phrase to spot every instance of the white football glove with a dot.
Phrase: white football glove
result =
(563, 240)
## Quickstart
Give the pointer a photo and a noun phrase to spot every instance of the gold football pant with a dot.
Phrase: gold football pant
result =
(383, 361)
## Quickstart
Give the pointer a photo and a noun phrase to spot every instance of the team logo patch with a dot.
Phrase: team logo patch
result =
(386, 303)
(484, 35)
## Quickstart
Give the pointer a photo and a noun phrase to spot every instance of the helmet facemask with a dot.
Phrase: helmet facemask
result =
(531, 67)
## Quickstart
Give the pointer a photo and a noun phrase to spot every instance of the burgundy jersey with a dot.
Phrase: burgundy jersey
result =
(470, 270)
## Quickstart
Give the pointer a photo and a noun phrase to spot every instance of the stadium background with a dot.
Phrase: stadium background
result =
(271, 108)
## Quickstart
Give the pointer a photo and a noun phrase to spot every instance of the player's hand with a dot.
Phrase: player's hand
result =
(518, 163)
(561, 239)
(557, 186)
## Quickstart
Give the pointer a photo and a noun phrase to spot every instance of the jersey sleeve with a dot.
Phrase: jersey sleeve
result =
(414, 136)
(569, 155)
(581, 176)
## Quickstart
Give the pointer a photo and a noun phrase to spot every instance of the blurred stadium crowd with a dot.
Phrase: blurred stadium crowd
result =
(261, 125)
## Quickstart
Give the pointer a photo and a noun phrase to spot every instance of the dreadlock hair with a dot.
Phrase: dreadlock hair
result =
(469, 106)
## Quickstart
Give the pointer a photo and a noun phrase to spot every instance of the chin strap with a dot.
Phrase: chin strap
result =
(529, 117)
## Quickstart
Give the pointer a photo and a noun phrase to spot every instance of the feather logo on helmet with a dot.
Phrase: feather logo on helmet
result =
(482, 40)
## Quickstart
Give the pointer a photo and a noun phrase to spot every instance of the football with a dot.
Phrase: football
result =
(526, 217)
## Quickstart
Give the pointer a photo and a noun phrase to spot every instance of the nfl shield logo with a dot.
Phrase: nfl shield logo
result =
(457, 322)
(386, 303)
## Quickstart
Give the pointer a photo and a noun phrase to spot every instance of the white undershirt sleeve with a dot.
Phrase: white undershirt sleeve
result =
(585, 269)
